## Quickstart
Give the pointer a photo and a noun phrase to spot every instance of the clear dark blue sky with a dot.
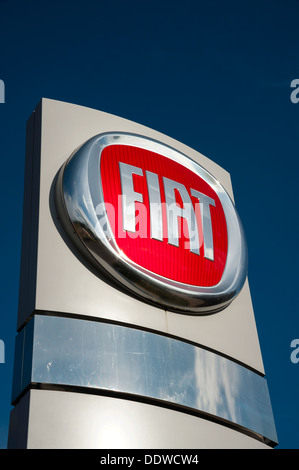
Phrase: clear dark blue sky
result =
(215, 75)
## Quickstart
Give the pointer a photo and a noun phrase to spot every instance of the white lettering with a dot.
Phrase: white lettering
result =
(176, 459)
(2, 352)
(294, 84)
(111, 460)
(155, 205)
(205, 203)
(2, 92)
(129, 196)
(173, 190)
(174, 212)
(295, 353)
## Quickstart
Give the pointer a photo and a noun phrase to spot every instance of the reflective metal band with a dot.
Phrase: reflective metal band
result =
(107, 357)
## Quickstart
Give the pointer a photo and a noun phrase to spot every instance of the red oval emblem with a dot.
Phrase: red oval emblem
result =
(154, 220)
(196, 213)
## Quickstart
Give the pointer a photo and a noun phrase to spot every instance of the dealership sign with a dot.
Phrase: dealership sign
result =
(154, 221)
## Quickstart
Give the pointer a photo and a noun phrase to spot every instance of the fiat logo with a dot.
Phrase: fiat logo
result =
(153, 220)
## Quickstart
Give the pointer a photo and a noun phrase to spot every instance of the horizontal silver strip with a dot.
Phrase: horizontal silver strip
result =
(102, 356)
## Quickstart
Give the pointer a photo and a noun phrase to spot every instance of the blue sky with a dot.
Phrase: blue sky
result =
(214, 75)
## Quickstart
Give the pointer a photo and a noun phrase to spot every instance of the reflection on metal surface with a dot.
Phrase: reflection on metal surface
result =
(85, 215)
(110, 357)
